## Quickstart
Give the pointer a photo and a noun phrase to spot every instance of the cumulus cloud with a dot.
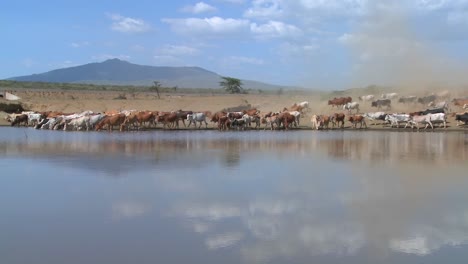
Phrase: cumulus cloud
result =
(128, 24)
(101, 57)
(178, 50)
(244, 60)
(79, 44)
(222, 241)
(198, 8)
(275, 29)
(208, 26)
(266, 9)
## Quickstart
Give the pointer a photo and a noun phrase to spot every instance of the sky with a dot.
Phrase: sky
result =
(324, 44)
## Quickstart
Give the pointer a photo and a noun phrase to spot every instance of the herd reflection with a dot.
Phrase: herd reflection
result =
(272, 197)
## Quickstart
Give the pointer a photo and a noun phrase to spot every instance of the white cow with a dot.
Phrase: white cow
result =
(375, 116)
(389, 96)
(315, 122)
(465, 106)
(442, 104)
(396, 119)
(78, 123)
(94, 119)
(297, 117)
(368, 97)
(423, 119)
(304, 104)
(350, 106)
(439, 118)
(197, 117)
(34, 118)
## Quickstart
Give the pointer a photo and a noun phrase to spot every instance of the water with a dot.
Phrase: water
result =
(248, 197)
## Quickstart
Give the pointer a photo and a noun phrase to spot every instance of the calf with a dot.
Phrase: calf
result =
(324, 121)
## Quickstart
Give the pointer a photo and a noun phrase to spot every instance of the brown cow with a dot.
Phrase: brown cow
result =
(324, 120)
(338, 118)
(460, 102)
(20, 119)
(340, 101)
(357, 119)
(111, 121)
(215, 118)
(286, 119)
(251, 112)
(168, 119)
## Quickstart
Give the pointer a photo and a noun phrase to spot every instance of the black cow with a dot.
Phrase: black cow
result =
(427, 99)
(382, 102)
(407, 99)
(461, 118)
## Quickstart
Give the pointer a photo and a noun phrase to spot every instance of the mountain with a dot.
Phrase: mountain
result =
(119, 72)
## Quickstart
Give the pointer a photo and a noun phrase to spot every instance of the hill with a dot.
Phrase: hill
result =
(119, 72)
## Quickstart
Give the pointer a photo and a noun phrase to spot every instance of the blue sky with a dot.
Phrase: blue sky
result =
(311, 43)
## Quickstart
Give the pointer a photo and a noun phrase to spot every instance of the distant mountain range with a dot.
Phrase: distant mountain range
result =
(119, 72)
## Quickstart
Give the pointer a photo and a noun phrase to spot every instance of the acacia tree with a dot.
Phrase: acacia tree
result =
(232, 85)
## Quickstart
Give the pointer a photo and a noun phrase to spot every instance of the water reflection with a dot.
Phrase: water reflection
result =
(339, 197)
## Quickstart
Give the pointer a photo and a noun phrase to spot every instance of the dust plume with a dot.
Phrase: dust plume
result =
(386, 50)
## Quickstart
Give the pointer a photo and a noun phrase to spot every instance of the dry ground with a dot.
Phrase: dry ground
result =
(101, 101)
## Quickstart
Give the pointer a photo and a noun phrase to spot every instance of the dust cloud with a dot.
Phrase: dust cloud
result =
(386, 50)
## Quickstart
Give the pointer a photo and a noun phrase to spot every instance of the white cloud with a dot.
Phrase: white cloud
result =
(266, 9)
(222, 241)
(275, 29)
(198, 8)
(208, 26)
(101, 57)
(457, 18)
(175, 50)
(28, 63)
(129, 209)
(79, 44)
(287, 49)
(128, 24)
(244, 60)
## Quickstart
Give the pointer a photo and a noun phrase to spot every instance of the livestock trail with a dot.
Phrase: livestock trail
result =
(435, 111)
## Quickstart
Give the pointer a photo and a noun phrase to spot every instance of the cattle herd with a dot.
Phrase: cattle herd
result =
(436, 113)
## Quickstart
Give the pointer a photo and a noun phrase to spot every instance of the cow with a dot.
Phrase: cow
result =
(444, 105)
(396, 119)
(427, 99)
(428, 119)
(251, 112)
(235, 115)
(94, 119)
(110, 121)
(304, 105)
(239, 123)
(315, 122)
(465, 106)
(324, 121)
(461, 118)
(224, 123)
(182, 116)
(339, 101)
(407, 99)
(375, 116)
(338, 118)
(460, 102)
(433, 111)
(169, 119)
(368, 97)
(270, 121)
(78, 123)
(422, 119)
(297, 117)
(286, 119)
(380, 103)
(20, 119)
(351, 105)
(389, 96)
(197, 117)
(34, 118)
(357, 119)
